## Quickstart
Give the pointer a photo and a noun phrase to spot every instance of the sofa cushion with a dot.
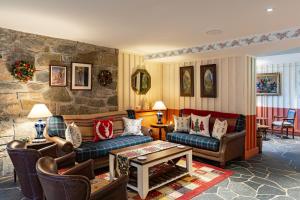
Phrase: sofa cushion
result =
(196, 141)
(92, 150)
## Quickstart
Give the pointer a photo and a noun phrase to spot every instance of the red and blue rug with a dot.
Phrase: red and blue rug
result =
(204, 176)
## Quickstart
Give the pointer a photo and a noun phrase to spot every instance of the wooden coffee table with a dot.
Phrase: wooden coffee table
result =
(144, 184)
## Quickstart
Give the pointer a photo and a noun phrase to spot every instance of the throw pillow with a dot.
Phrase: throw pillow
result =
(132, 126)
(200, 125)
(220, 129)
(73, 135)
(103, 130)
(56, 126)
(182, 124)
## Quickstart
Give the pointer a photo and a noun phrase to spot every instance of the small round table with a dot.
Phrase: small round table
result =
(159, 126)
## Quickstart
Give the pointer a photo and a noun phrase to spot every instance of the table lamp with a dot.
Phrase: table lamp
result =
(39, 111)
(159, 106)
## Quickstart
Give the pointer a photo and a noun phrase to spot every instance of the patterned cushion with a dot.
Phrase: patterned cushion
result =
(240, 123)
(103, 130)
(73, 135)
(91, 150)
(182, 124)
(279, 123)
(220, 129)
(56, 126)
(200, 125)
(197, 141)
(132, 126)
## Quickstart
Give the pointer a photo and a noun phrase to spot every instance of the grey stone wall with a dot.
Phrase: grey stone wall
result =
(16, 98)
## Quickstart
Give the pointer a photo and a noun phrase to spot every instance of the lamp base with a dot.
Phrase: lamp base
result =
(39, 127)
(159, 117)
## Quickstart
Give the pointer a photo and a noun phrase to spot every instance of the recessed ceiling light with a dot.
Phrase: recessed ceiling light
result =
(214, 32)
(269, 9)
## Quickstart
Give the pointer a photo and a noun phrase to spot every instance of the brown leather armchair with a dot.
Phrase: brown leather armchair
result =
(24, 161)
(75, 183)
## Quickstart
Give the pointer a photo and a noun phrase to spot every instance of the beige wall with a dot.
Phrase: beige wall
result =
(232, 80)
(128, 63)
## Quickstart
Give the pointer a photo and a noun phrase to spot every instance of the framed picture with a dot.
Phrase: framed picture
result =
(208, 80)
(268, 84)
(57, 76)
(187, 81)
(81, 76)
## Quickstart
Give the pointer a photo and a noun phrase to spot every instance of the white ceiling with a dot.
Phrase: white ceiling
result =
(148, 26)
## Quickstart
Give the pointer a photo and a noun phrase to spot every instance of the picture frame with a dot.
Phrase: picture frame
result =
(208, 81)
(57, 76)
(268, 84)
(186, 81)
(81, 76)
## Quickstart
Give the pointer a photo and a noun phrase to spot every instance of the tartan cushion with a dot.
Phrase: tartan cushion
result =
(197, 141)
(92, 150)
(56, 126)
(240, 123)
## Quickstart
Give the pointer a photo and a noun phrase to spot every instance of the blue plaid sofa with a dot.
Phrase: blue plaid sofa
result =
(231, 145)
(98, 151)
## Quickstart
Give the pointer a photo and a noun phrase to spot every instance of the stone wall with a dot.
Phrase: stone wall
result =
(16, 98)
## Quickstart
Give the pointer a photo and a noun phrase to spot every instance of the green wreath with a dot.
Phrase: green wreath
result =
(23, 71)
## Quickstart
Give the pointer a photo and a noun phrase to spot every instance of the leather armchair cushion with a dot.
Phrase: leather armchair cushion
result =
(92, 150)
(196, 141)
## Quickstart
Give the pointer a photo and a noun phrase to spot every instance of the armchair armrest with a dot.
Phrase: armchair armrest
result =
(63, 145)
(66, 160)
(85, 169)
(50, 151)
(115, 190)
(278, 117)
(146, 131)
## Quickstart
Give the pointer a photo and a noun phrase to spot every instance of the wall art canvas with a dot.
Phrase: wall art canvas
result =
(57, 76)
(268, 84)
(208, 80)
(81, 76)
(187, 81)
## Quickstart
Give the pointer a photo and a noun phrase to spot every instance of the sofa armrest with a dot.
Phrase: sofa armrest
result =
(169, 128)
(232, 146)
(63, 145)
(146, 131)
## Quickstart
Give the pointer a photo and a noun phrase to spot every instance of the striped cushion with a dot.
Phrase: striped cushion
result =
(92, 150)
(85, 123)
(197, 141)
(56, 126)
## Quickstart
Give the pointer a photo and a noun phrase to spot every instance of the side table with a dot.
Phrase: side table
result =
(159, 126)
(35, 146)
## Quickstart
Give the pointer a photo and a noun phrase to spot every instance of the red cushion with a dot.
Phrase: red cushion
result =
(103, 130)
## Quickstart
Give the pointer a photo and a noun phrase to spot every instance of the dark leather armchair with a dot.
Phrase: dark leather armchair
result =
(24, 161)
(75, 183)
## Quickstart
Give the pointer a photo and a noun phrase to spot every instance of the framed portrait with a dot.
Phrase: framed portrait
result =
(208, 80)
(187, 81)
(81, 74)
(57, 76)
(268, 84)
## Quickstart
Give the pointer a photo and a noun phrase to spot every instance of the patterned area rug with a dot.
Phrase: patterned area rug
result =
(204, 177)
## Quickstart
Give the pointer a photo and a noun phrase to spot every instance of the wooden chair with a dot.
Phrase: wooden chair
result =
(285, 122)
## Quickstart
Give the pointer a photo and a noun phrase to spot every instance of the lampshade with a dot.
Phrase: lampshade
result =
(39, 111)
(159, 105)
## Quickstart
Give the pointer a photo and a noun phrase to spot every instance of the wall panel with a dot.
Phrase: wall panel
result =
(128, 63)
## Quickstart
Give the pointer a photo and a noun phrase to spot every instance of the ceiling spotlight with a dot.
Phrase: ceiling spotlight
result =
(269, 9)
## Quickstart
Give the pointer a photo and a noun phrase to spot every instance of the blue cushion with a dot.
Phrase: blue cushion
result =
(56, 126)
(196, 141)
(93, 150)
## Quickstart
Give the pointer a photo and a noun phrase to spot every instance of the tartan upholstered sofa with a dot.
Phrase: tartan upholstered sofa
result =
(231, 145)
(98, 151)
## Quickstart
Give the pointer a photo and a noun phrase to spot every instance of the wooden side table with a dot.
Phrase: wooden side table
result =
(263, 129)
(159, 126)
